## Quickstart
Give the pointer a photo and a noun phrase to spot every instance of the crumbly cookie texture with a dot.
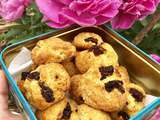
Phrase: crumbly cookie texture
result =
(101, 88)
(46, 85)
(96, 55)
(52, 50)
(86, 40)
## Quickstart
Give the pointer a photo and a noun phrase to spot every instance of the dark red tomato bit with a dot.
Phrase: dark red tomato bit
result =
(47, 93)
(67, 112)
(34, 75)
(24, 75)
(97, 50)
(115, 84)
(106, 71)
(124, 115)
(91, 39)
(136, 94)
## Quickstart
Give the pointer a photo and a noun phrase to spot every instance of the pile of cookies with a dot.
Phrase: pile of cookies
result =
(81, 80)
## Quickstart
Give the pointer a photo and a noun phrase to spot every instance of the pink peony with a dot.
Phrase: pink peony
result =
(156, 57)
(62, 13)
(132, 10)
(11, 10)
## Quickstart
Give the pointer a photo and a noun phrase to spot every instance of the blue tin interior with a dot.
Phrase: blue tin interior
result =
(27, 106)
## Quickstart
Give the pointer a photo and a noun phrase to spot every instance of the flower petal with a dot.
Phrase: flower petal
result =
(123, 21)
(50, 8)
(82, 20)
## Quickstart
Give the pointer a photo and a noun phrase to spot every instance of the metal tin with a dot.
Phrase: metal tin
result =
(142, 68)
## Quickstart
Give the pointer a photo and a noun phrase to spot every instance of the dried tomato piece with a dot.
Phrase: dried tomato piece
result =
(24, 75)
(111, 85)
(97, 50)
(106, 71)
(47, 93)
(34, 75)
(91, 39)
(67, 112)
(136, 94)
(124, 115)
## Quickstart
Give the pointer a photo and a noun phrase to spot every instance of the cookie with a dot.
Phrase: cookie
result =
(75, 88)
(52, 50)
(54, 112)
(101, 88)
(86, 40)
(96, 55)
(63, 110)
(135, 99)
(88, 113)
(46, 85)
(70, 66)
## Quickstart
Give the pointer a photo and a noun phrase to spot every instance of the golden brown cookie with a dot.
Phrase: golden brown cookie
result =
(86, 40)
(101, 88)
(70, 66)
(135, 99)
(52, 50)
(96, 55)
(54, 112)
(46, 85)
(135, 102)
(88, 113)
(63, 110)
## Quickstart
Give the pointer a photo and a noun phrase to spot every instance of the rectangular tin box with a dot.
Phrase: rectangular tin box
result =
(142, 69)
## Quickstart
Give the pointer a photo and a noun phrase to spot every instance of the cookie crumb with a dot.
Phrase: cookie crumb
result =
(106, 71)
(111, 85)
(124, 115)
(136, 94)
(47, 93)
(67, 112)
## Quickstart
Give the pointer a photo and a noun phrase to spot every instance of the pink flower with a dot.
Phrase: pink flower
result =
(62, 13)
(133, 10)
(11, 10)
(156, 57)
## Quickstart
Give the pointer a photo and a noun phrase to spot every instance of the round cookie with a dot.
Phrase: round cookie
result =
(46, 85)
(70, 66)
(63, 110)
(101, 88)
(86, 40)
(135, 99)
(52, 50)
(96, 55)
(54, 112)
(75, 88)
